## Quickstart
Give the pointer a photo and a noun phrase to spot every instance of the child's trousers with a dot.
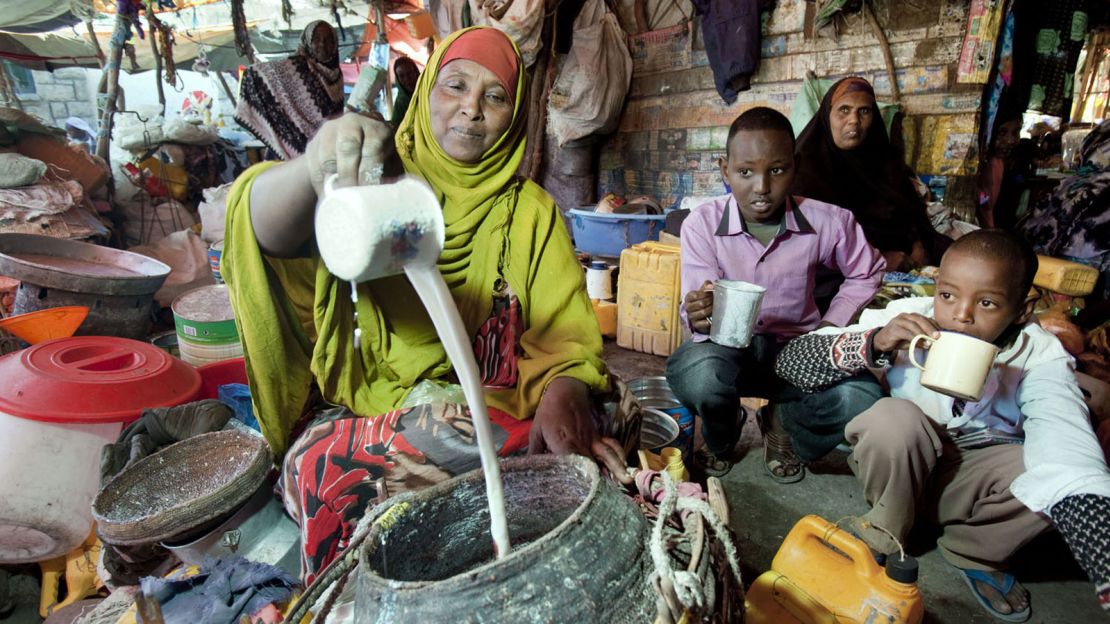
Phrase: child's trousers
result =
(709, 379)
(910, 468)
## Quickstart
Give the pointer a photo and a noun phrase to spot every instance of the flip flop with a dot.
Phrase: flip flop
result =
(971, 576)
(778, 444)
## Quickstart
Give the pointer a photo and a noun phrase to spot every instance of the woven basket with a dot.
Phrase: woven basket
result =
(181, 488)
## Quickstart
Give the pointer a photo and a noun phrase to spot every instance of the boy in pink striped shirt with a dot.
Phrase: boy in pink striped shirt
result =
(763, 235)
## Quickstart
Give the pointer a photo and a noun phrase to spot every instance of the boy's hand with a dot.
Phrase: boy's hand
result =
(900, 331)
(699, 308)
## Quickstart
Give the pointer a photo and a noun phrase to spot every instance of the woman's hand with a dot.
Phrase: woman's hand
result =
(901, 330)
(354, 146)
(283, 198)
(699, 308)
(563, 424)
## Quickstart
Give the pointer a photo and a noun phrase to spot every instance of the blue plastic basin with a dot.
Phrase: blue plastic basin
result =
(608, 234)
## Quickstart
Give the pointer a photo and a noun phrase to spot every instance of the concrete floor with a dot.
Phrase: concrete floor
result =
(763, 512)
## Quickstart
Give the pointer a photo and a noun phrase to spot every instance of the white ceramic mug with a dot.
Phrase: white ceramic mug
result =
(957, 364)
(372, 231)
(735, 310)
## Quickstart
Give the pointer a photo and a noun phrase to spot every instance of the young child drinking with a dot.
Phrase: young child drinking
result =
(763, 235)
(923, 454)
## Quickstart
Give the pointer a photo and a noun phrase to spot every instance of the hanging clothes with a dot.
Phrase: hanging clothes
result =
(1050, 36)
(731, 31)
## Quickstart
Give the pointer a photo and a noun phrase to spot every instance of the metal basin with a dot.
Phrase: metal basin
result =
(116, 286)
(79, 267)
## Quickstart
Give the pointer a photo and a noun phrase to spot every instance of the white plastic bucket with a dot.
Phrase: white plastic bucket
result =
(49, 474)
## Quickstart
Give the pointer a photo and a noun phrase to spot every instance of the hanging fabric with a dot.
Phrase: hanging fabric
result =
(242, 35)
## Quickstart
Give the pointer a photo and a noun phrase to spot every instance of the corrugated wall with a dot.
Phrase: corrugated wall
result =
(674, 125)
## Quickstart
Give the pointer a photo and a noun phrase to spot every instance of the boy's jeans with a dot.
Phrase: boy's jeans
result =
(709, 379)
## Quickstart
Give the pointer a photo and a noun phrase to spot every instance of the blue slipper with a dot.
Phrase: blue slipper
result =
(971, 576)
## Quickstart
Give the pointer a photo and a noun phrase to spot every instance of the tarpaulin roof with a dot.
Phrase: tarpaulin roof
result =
(42, 15)
(51, 50)
(67, 47)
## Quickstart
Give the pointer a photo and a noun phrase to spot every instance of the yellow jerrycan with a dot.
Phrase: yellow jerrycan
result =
(823, 574)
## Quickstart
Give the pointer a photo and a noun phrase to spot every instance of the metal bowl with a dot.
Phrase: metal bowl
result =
(648, 383)
(657, 430)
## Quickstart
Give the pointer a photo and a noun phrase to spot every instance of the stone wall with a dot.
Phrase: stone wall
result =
(674, 125)
(60, 94)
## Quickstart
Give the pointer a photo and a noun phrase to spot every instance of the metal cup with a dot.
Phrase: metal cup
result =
(735, 310)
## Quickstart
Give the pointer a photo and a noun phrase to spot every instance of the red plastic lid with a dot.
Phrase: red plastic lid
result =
(93, 379)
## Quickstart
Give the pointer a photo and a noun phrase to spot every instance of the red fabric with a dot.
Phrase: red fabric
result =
(491, 49)
(334, 466)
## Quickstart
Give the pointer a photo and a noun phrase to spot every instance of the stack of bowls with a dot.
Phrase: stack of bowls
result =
(663, 413)
(653, 392)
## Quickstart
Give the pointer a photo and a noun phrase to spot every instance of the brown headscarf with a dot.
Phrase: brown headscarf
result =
(870, 180)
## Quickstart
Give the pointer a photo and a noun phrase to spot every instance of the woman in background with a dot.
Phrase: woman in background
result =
(845, 158)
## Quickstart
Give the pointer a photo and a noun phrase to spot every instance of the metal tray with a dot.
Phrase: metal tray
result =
(78, 267)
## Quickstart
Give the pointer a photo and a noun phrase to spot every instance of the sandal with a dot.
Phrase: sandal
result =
(867, 533)
(715, 465)
(972, 576)
(712, 465)
(779, 459)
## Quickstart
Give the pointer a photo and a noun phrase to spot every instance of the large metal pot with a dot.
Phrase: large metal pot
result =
(117, 286)
(578, 551)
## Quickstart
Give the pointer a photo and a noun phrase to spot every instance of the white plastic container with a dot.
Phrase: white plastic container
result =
(49, 480)
(61, 401)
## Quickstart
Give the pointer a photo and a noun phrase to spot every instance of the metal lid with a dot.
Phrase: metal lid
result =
(93, 379)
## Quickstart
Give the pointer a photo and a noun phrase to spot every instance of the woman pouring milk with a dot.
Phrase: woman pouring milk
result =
(508, 263)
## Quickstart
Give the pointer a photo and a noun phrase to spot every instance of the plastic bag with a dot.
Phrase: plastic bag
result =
(212, 212)
(430, 392)
(589, 92)
(187, 257)
(522, 22)
(16, 170)
(178, 130)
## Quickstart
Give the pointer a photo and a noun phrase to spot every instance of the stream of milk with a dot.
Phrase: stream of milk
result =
(414, 241)
(441, 307)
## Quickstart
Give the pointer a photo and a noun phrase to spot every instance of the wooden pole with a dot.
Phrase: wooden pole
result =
(153, 36)
(95, 43)
(227, 89)
(112, 71)
(102, 86)
(7, 89)
(884, 45)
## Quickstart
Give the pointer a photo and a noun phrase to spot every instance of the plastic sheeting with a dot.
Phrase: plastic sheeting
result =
(42, 15)
(51, 51)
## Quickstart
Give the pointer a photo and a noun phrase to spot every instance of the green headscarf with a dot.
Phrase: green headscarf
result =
(472, 194)
(295, 318)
